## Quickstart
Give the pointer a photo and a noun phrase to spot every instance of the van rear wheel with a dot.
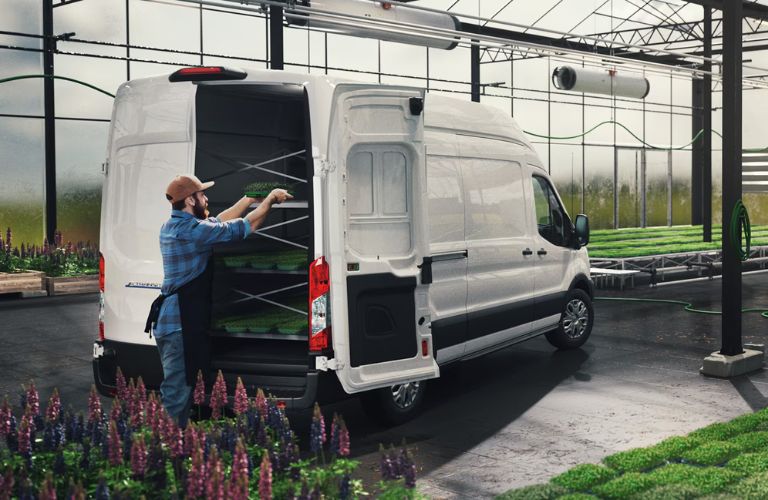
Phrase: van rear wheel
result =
(576, 321)
(396, 404)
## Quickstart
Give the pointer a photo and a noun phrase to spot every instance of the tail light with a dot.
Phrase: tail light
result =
(203, 73)
(101, 297)
(319, 324)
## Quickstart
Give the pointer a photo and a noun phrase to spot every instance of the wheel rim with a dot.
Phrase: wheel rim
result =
(404, 395)
(575, 318)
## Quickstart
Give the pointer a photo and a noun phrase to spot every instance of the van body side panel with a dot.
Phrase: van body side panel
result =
(445, 214)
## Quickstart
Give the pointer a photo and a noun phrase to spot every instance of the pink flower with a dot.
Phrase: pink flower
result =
(176, 444)
(343, 438)
(239, 480)
(218, 396)
(114, 445)
(24, 434)
(48, 489)
(141, 393)
(214, 485)
(152, 411)
(5, 418)
(265, 478)
(241, 398)
(190, 439)
(54, 407)
(199, 395)
(121, 388)
(138, 456)
(33, 399)
(196, 477)
(117, 410)
(94, 406)
(261, 403)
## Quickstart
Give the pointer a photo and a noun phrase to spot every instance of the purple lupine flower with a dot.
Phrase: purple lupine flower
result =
(265, 478)
(334, 441)
(141, 393)
(240, 473)
(407, 468)
(190, 439)
(33, 399)
(5, 418)
(122, 388)
(48, 437)
(57, 238)
(94, 406)
(116, 413)
(139, 457)
(198, 396)
(114, 446)
(317, 430)
(24, 437)
(6, 480)
(153, 411)
(218, 396)
(387, 466)
(261, 433)
(214, 484)
(176, 444)
(102, 490)
(59, 435)
(343, 438)
(344, 487)
(241, 398)
(54, 407)
(8, 239)
(196, 475)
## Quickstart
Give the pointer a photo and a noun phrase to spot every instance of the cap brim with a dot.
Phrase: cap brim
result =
(206, 185)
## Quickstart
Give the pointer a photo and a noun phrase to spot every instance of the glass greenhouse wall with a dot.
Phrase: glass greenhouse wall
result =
(606, 173)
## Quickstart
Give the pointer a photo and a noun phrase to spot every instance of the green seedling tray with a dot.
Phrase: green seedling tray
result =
(262, 189)
(275, 320)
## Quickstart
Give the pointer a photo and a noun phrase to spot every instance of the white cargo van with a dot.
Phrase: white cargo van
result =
(423, 231)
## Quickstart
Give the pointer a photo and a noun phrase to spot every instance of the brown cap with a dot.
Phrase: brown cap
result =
(183, 186)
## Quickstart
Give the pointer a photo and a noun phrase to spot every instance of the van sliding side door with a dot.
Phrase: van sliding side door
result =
(376, 220)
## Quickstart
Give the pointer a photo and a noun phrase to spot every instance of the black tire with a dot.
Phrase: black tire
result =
(571, 331)
(394, 405)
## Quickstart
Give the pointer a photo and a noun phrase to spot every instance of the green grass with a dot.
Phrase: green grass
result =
(722, 461)
(639, 242)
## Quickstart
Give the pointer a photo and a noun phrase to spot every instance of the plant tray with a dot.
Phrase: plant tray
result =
(262, 189)
(274, 320)
(289, 260)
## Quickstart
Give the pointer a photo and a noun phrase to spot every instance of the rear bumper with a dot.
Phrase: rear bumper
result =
(139, 360)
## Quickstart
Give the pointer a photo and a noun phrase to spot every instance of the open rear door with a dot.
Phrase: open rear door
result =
(377, 188)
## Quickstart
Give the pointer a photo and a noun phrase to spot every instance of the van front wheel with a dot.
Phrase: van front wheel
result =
(396, 404)
(575, 322)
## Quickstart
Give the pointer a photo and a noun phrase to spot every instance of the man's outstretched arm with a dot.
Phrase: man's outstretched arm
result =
(236, 210)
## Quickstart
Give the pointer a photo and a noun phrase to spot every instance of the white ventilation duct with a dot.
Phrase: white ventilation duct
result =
(608, 82)
(378, 12)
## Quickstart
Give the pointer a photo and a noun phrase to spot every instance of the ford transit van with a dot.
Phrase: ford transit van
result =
(424, 230)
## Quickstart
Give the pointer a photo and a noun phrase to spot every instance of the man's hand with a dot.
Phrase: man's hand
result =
(278, 196)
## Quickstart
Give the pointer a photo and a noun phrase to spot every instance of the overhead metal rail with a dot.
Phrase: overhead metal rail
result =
(481, 39)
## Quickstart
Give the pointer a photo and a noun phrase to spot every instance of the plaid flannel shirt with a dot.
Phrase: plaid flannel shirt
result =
(186, 244)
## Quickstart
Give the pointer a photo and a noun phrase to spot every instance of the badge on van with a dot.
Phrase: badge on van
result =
(139, 284)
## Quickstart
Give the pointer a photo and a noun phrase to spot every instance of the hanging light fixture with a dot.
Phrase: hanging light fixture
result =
(329, 15)
(608, 82)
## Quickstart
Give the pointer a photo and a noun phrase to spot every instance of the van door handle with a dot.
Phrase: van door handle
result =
(541, 252)
(527, 251)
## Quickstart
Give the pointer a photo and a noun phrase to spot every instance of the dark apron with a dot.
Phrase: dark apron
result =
(195, 310)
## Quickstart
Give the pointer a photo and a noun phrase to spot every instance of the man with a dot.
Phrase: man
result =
(183, 315)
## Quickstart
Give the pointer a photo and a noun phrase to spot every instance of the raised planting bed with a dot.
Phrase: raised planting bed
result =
(27, 281)
(721, 461)
(65, 285)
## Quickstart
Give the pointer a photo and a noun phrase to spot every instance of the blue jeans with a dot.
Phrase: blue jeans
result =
(174, 391)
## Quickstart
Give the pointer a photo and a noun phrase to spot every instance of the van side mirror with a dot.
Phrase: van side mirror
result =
(581, 227)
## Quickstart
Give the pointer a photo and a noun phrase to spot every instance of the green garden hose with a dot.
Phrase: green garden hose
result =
(687, 306)
(740, 226)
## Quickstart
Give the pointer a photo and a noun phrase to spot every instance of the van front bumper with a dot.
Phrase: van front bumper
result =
(140, 360)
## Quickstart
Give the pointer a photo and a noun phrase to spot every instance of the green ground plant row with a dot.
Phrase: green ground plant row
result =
(723, 461)
(650, 233)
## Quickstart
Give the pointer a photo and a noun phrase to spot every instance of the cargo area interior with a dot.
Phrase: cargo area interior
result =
(250, 139)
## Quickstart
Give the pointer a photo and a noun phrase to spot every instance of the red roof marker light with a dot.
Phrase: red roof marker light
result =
(205, 73)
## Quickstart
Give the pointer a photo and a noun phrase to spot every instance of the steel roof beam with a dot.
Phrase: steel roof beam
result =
(749, 9)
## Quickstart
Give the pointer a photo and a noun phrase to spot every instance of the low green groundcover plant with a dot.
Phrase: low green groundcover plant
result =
(53, 258)
(135, 450)
(723, 461)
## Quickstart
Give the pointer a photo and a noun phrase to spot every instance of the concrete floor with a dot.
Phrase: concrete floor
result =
(509, 419)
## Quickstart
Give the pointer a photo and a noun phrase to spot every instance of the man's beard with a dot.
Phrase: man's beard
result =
(200, 211)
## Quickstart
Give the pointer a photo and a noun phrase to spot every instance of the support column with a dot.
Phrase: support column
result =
(706, 124)
(697, 153)
(276, 58)
(49, 45)
(474, 56)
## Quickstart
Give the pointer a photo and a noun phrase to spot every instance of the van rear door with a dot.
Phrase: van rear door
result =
(378, 238)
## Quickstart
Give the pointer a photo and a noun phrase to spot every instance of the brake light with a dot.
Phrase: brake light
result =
(319, 288)
(101, 296)
(203, 73)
